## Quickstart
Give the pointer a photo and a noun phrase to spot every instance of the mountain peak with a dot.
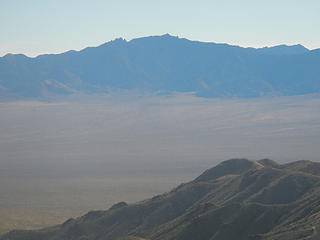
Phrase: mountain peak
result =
(12, 55)
(167, 35)
(114, 42)
(233, 166)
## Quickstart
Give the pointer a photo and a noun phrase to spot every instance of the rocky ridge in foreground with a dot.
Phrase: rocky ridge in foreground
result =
(237, 199)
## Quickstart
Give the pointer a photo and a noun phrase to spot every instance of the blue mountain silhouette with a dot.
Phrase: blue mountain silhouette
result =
(164, 64)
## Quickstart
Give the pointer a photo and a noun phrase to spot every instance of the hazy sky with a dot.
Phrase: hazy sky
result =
(33, 27)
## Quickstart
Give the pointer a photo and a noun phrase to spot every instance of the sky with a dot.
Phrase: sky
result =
(34, 27)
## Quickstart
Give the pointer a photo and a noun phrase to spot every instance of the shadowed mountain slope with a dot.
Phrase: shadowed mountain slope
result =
(164, 64)
(237, 199)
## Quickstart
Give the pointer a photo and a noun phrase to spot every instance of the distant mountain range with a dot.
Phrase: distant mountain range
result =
(164, 64)
(237, 199)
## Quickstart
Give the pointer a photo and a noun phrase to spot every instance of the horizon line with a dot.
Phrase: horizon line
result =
(162, 35)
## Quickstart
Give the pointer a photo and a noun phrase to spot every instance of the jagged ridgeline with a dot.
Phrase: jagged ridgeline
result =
(164, 64)
(237, 199)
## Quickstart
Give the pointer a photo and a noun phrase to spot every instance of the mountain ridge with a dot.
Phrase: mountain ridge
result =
(166, 64)
(286, 46)
(258, 202)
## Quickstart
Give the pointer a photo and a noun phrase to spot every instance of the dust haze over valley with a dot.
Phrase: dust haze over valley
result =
(63, 158)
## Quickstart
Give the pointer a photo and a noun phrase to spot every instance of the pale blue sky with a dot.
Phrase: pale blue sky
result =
(34, 27)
